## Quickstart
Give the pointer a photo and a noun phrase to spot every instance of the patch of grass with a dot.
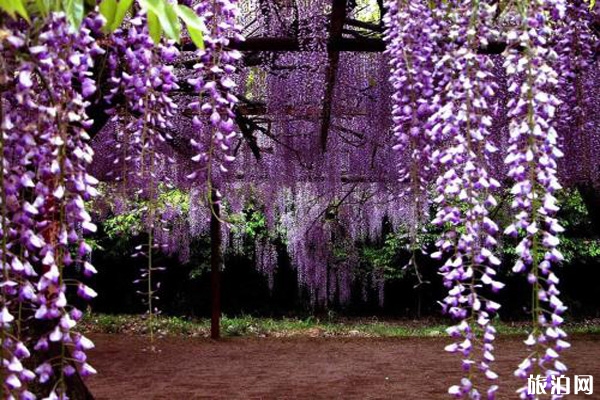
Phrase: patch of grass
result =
(138, 324)
(108, 323)
(248, 326)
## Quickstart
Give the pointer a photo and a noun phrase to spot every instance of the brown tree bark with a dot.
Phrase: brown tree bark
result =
(216, 259)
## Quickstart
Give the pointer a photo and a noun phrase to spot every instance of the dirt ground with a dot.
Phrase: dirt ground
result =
(302, 368)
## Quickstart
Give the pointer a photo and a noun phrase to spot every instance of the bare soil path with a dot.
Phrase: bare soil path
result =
(302, 368)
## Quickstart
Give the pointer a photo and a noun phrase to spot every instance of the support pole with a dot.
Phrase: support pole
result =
(338, 16)
(216, 260)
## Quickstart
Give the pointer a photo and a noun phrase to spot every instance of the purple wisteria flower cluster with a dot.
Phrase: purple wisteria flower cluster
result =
(576, 48)
(142, 77)
(532, 160)
(215, 119)
(465, 192)
(45, 157)
(455, 86)
(412, 36)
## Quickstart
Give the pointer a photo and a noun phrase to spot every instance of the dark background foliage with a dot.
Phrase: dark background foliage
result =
(185, 287)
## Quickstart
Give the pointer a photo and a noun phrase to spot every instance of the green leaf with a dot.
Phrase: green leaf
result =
(40, 7)
(114, 12)
(74, 11)
(20, 8)
(14, 7)
(194, 24)
(166, 15)
(154, 27)
(122, 7)
(174, 31)
(108, 9)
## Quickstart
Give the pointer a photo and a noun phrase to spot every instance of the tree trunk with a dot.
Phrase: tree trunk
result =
(216, 259)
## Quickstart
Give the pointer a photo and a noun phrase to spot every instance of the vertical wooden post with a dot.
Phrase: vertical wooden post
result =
(337, 21)
(216, 259)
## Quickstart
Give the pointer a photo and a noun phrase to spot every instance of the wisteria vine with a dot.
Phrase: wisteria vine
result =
(142, 76)
(532, 161)
(45, 184)
(465, 189)
(215, 84)
(460, 131)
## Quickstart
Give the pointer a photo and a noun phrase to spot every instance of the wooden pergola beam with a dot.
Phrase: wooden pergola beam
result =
(337, 21)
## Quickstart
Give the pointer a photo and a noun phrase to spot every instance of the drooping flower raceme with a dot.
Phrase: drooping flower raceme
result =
(462, 126)
(44, 141)
(215, 121)
(411, 36)
(531, 159)
(18, 274)
(575, 45)
(142, 77)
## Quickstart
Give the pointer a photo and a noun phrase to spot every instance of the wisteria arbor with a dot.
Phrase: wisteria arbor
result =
(328, 115)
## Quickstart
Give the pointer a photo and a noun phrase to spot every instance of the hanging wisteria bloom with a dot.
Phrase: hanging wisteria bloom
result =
(575, 45)
(143, 79)
(462, 126)
(531, 159)
(215, 122)
(18, 274)
(44, 141)
(412, 36)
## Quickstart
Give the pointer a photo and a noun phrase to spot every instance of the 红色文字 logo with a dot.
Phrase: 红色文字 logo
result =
(560, 385)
